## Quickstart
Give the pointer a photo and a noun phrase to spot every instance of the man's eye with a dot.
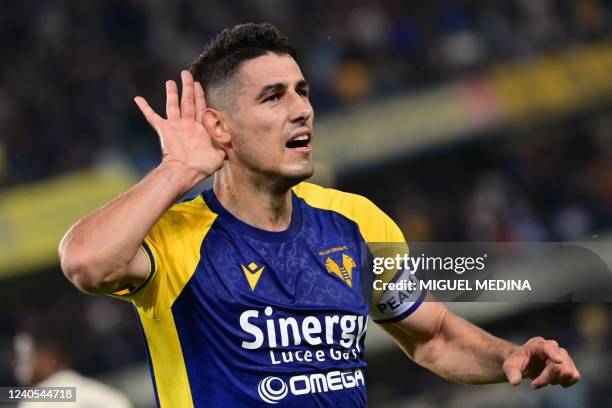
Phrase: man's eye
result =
(272, 98)
(304, 92)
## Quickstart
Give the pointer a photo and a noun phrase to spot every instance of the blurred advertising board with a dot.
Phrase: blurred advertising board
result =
(34, 217)
(542, 87)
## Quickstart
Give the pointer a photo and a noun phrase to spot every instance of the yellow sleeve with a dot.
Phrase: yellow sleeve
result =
(173, 249)
(383, 239)
(374, 224)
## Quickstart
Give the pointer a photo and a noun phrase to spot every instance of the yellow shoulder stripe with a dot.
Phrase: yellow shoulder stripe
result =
(174, 243)
(167, 360)
(374, 224)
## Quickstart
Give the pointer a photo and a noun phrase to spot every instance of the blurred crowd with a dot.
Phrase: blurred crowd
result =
(551, 182)
(72, 68)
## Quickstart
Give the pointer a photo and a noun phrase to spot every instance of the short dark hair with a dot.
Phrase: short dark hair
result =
(223, 56)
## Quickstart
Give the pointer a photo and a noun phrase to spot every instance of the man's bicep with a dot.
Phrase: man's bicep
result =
(137, 273)
(140, 266)
(426, 320)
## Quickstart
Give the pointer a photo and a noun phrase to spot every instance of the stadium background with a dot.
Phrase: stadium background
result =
(464, 120)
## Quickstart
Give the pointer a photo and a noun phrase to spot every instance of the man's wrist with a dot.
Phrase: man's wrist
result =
(179, 176)
(508, 349)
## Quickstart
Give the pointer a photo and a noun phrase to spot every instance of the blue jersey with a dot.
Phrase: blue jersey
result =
(235, 316)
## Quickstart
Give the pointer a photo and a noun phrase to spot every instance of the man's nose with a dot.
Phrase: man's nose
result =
(301, 110)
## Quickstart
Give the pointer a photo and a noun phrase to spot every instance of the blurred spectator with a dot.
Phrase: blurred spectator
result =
(43, 359)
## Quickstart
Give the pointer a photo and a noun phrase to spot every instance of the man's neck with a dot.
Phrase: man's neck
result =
(254, 200)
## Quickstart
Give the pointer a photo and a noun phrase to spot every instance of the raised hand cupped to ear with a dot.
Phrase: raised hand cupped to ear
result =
(183, 137)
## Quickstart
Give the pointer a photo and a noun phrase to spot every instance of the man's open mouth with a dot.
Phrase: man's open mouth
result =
(298, 141)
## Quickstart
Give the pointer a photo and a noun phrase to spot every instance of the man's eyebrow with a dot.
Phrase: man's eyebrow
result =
(279, 86)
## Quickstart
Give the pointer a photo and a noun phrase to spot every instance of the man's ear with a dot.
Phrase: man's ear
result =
(216, 125)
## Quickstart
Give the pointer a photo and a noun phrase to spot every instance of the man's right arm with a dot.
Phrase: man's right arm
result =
(100, 253)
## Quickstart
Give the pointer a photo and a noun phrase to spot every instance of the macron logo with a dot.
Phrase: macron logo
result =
(252, 273)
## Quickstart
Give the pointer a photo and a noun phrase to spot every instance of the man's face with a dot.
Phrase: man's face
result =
(271, 123)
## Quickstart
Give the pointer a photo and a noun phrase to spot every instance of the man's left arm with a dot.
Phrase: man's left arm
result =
(459, 351)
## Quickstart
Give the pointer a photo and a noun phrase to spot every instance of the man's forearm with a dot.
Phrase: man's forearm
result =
(465, 353)
(106, 240)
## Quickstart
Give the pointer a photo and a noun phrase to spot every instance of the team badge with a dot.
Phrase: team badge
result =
(344, 270)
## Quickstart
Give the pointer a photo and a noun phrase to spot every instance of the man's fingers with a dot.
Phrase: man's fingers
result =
(514, 367)
(546, 377)
(566, 377)
(573, 375)
(548, 350)
(544, 361)
(172, 106)
(554, 373)
(187, 105)
(200, 102)
(574, 378)
(514, 376)
(148, 112)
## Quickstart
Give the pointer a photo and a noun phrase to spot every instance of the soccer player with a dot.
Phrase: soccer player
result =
(253, 292)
